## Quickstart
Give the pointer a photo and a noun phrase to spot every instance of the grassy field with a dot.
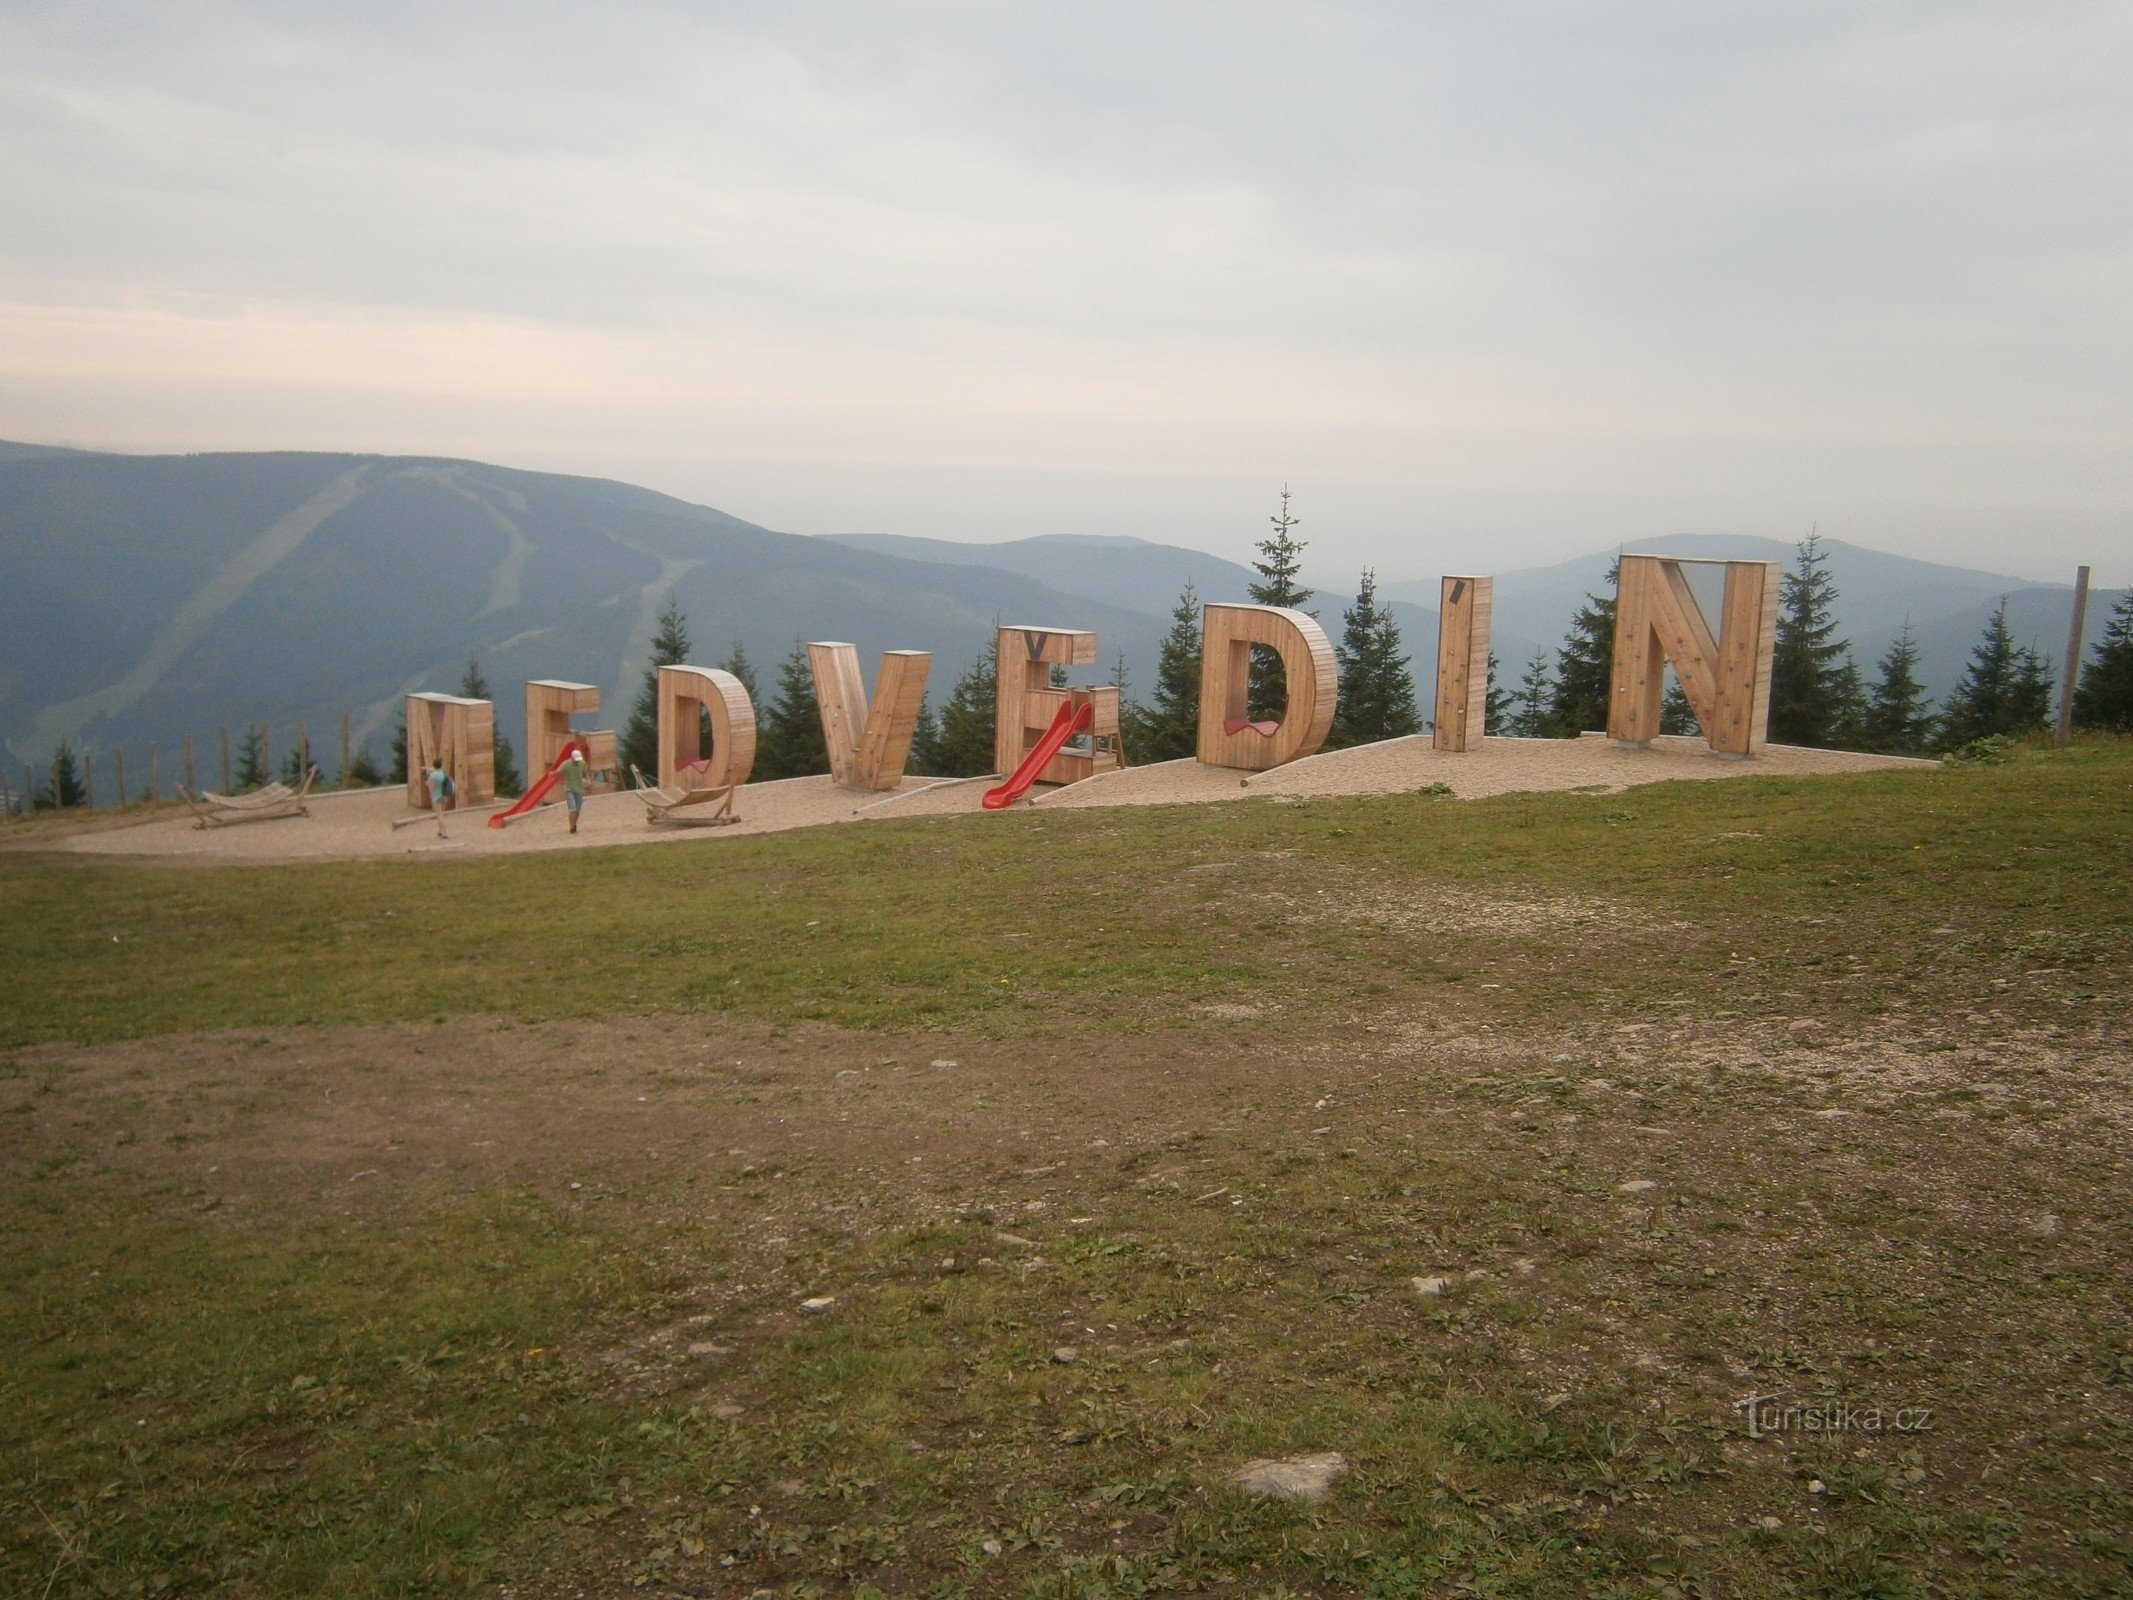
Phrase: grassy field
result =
(1229, 1079)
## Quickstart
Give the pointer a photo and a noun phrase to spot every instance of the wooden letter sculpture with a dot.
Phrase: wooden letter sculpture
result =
(687, 697)
(1463, 663)
(550, 704)
(1726, 680)
(461, 733)
(1025, 704)
(1228, 737)
(868, 745)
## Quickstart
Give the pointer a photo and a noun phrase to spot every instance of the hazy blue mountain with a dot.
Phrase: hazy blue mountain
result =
(1134, 573)
(152, 596)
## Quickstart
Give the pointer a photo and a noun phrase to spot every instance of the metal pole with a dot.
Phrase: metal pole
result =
(2073, 655)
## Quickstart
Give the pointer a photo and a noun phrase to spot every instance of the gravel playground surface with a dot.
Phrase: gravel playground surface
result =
(343, 826)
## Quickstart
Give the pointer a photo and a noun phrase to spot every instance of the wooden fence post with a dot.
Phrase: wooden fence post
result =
(118, 770)
(88, 780)
(2072, 670)
(266, 752)
(190, 785)
(344, 749)
(155, 773)
(225, 760)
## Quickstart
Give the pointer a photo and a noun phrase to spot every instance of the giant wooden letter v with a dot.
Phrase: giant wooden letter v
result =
(868, 745)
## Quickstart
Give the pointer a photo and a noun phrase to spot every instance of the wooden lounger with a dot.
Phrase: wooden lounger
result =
(678, 804)
(275, 800)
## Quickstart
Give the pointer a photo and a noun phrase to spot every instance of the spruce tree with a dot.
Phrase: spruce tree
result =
(741, 667)
(363, 771)
(1377, 691)
(1279, 567)
(640, 735)
(925, 757)
(1898, 720)
(1585, 667)
(1498, 705)
(965, 746)
(64, 786)
(252, 760)
(1167, 728)
(1814, 691)
(2004, 689)
(1529, 705)
(789, 740)
(1676, 715)
(474, 686)
(2103, 696)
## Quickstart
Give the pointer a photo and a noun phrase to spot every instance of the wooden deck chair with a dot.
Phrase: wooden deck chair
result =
(274, 800)
(677, 804)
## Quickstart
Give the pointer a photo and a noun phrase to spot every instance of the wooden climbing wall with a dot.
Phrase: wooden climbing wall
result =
(1725, 677)
(1463, 612)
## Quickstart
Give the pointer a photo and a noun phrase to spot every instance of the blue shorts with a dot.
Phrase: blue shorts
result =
(576, 802)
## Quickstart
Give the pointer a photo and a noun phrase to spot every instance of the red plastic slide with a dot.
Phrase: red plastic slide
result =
(1068, 721)
(537, 791)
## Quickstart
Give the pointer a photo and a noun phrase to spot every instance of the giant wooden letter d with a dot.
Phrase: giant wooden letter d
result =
(1228, 738)
(689, 697)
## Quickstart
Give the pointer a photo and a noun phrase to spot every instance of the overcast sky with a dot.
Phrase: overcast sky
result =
(1486, 285)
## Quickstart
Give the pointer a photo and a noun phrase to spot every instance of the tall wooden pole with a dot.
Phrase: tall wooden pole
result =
(191, 786)
(155, 771)
(344, 749)
(118, 770)
(2073, 654)
(303, 749)
(266, 753)
(88, 779)
(225, 760)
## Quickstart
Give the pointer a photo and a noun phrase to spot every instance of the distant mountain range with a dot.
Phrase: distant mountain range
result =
(151, 596)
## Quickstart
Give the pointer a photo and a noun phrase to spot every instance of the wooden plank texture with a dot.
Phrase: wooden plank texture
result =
(688, 698)
(1227, 634)
(1464, 613)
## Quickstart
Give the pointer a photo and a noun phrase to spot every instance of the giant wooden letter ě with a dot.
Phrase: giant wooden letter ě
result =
(868, 745)
(1463, 663)
(550, 704)
(687, 696)
(1025, 702)
(1228, 737)
(1726, 679)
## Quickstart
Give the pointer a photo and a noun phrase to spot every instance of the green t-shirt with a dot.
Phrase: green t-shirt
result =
(574, 778)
